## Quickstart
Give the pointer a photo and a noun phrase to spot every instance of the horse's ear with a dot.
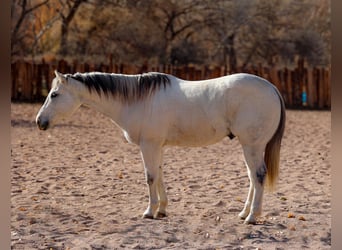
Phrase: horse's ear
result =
(61, 77)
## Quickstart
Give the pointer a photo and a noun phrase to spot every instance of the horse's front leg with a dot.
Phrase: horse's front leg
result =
(162, 195)
(152, 158)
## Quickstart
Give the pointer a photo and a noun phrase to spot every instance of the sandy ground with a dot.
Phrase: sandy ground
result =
(81, 186)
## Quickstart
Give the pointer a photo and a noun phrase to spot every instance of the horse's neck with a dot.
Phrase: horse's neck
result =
(105, 105)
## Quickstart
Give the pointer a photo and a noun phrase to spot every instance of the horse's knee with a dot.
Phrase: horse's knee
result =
(261, 174)
(149, 178)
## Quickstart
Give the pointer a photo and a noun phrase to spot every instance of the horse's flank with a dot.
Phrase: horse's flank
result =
(128, 88)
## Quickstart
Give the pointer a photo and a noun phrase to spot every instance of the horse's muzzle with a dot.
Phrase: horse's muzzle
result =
(42, 125)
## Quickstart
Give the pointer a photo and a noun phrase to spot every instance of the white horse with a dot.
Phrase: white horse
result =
(156, 110)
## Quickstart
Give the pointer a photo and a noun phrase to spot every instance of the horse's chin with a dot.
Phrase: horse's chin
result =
(43, 128)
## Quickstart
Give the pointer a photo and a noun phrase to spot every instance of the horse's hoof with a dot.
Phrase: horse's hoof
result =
(147, 216)
(160, 215)
(250, 220)
(242, 215)
(246, 222)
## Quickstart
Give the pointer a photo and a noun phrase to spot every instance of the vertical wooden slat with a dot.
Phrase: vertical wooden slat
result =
(20, 72)
(111, 65)
(27, 82)
(14, 80)
(310, 89)
(289, 86)
(328, 88)
(39, 78)
(45, 78)
(320, 89)
(315, 86)
(274, 77)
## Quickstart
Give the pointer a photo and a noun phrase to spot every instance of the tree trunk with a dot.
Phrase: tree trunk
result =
(66, 20)
(232, 54)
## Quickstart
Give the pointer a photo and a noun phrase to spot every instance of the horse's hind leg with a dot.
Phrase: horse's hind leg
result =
(245, 212)
(257, 174)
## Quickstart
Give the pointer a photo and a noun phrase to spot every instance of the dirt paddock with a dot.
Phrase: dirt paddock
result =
(80, 185)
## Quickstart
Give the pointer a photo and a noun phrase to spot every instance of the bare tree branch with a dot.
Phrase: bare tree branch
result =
(25, 11)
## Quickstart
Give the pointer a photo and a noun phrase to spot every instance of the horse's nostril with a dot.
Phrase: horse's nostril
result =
(42, 125)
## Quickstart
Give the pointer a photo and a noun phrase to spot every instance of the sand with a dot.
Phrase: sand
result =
(80, 185)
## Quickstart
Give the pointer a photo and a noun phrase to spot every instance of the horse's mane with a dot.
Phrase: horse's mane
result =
(126, 87)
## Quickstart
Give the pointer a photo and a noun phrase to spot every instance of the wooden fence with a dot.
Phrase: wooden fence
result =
(301, 87)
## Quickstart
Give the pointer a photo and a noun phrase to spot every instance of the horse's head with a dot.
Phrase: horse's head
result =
(61, 102)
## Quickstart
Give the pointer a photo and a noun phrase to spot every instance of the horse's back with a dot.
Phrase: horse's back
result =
(197, 113)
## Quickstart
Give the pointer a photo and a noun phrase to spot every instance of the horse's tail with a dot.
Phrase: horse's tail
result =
(272, 151)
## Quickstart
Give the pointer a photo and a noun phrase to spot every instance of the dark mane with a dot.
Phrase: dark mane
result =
(127, 87)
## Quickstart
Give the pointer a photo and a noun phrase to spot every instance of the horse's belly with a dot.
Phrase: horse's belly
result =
(194, 137)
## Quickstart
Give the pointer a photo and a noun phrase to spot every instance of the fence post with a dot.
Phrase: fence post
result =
(111, 65)
(328, 88)
(15, 78)
(311, 93)
(46, 78)
(274, 77)
(63, 66)
(321, 89)
(289, 88)
(27, 85)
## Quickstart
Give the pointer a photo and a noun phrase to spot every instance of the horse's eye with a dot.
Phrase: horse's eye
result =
(54, 94)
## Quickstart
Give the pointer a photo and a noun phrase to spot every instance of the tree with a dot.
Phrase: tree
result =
(225, 20)
(20, 13)
(67, 13)
(177, 21)
(227, 32)
(282, 30)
